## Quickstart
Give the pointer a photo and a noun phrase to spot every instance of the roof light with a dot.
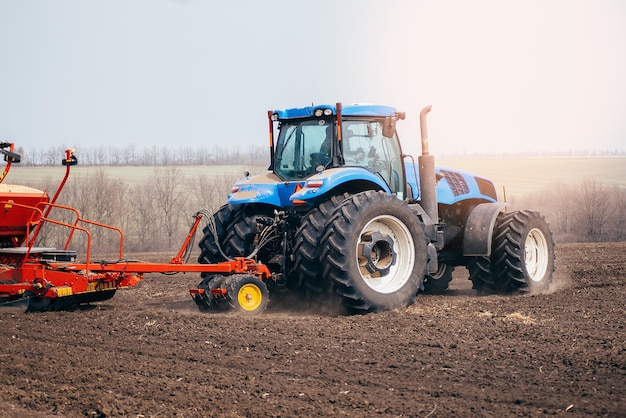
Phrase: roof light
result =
(323, 112)
(274, 116)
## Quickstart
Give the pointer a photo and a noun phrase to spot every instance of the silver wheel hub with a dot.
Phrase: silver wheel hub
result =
(385, 254)
(377, 255)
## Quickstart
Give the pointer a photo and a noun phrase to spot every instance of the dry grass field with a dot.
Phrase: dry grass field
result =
(130, 175)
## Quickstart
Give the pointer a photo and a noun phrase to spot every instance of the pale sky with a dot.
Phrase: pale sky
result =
(502, 76)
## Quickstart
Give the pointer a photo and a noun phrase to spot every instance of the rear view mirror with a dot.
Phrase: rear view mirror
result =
(389, 127)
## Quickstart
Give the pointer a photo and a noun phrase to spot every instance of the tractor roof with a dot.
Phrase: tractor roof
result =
(351, 110)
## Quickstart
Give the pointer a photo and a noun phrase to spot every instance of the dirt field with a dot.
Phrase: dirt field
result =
(149, 352)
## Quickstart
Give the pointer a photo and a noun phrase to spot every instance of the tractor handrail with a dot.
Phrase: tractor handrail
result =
(73, 227)
(88, 253)
(79, 218)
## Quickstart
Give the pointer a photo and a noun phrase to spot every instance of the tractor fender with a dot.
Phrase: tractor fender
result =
(479, 228)
(327, 180)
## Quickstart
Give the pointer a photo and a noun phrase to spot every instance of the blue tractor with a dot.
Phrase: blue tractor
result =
(342, 213)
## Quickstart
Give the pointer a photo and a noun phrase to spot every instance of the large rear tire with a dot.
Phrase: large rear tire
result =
(375, 252)
(483, 280)
(523, 255)
(307, 249)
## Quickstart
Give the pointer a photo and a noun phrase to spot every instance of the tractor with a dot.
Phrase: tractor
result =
(342, 213)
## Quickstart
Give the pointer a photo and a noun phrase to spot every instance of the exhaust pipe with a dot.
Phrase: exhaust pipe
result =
(428, 179)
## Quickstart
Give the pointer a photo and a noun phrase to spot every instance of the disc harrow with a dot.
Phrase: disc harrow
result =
(245, 293)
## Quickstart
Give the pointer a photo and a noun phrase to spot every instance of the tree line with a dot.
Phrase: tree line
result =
(132, 155)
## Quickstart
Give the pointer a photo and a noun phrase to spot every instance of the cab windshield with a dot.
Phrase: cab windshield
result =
(302, 146)
(365, 145)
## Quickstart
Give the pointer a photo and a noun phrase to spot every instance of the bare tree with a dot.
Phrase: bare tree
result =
(211, 192)
(616, 225)
(171, 195)
(594, 208)
(142, 219)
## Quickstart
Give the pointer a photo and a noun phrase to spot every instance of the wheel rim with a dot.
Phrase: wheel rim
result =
(385, 254)
(249, 297)
(536, 255)
(440, 273)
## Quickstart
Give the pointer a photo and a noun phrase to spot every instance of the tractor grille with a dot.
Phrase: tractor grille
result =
(456, 181)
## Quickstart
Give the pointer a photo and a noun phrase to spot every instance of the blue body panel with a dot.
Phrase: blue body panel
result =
(264, 190)
(356, 110)
(454, 186)
(250, 192)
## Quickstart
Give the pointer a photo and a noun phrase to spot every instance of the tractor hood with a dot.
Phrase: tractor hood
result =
(453, 185)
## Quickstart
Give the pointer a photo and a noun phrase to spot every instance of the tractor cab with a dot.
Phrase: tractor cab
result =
(313, 139)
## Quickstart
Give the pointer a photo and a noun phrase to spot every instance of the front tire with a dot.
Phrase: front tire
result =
(237, 231)
(242, 235)
(375, 250)
(209, 246)
(439, 281)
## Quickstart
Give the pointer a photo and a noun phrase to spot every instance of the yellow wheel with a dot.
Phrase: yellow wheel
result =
(247, 294)
(250, 297)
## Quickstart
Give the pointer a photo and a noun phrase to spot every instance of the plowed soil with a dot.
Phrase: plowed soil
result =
(150, 352)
